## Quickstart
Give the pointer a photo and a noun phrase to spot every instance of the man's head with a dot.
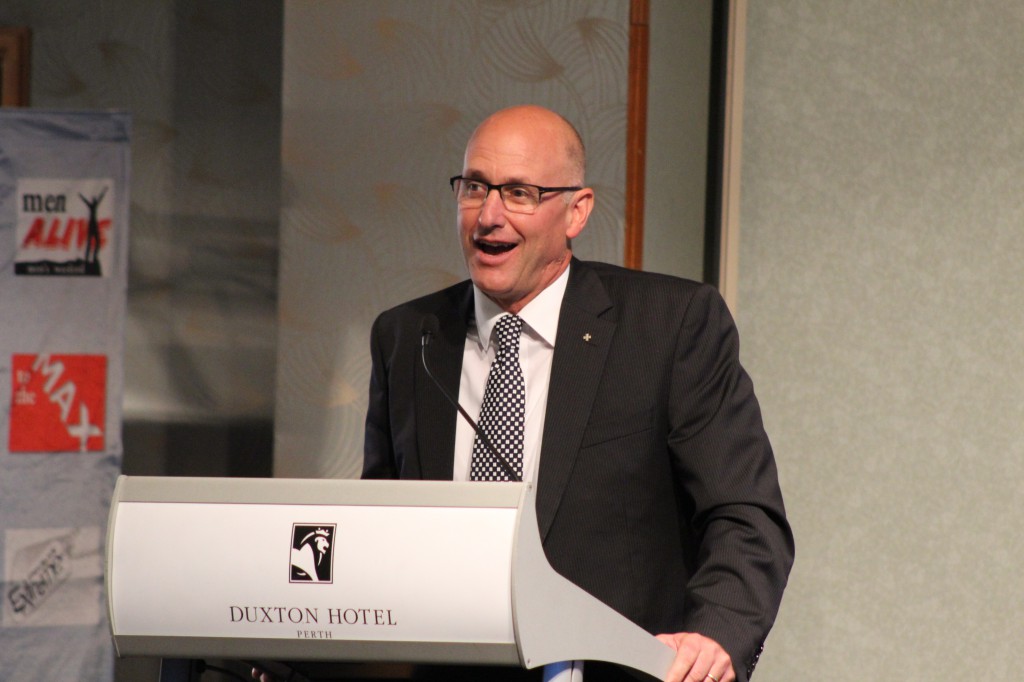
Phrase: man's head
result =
(512, 256)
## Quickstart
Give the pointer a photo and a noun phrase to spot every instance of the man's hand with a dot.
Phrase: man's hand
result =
(698, 659)
(258, 674)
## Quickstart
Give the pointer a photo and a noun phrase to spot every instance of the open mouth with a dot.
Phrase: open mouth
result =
(494, 248)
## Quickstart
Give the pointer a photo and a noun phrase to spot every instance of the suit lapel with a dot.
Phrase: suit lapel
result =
(585, 333)
(436, 416)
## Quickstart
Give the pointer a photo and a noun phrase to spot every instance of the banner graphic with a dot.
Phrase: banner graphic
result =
(63, 226)
(58, 404)
(64, 180)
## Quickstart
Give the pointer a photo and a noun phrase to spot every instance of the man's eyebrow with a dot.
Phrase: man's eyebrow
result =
(477, 175)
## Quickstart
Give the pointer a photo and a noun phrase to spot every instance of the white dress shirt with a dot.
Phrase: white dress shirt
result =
(536, 349)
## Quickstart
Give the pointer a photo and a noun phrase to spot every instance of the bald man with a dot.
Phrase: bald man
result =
(657, 489)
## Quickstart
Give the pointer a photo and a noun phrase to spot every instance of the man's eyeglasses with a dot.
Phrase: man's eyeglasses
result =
(517, 197)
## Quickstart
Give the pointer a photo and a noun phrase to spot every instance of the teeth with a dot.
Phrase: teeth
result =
(495, 249)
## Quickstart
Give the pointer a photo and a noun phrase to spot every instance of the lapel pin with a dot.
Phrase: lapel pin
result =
(587, 337)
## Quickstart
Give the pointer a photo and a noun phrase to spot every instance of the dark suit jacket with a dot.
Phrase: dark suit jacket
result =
(657, 489)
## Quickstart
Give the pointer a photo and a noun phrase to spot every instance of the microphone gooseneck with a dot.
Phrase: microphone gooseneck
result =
(429, 326)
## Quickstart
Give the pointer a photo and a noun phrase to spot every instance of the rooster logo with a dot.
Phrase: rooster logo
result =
(312, 555)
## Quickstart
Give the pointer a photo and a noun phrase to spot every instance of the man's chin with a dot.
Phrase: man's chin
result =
(501, 292)
(490, 276)
(493, 291)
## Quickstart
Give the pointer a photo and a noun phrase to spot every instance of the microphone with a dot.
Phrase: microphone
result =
(429, 329)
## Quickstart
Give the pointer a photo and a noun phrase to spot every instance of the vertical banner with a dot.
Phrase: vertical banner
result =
(63, 281)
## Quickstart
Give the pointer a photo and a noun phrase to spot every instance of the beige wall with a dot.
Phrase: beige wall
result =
(880, 306)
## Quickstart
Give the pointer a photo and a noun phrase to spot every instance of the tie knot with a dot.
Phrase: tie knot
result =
(507, 331)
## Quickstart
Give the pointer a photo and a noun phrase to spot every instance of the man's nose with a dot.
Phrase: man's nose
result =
(493, 210)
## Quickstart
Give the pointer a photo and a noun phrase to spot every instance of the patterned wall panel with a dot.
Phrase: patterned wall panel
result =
(202, 83)
(379, 99)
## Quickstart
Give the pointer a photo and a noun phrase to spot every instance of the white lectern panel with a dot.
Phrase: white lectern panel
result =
(317, 570)
(436, 574)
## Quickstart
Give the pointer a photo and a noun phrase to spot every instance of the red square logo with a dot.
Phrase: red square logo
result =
(58, 403)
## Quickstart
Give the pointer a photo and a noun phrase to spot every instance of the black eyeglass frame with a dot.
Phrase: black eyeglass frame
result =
(541, 191)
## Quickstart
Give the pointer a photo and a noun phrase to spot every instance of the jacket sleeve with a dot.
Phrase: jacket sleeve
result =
(724, 462)
(378, 451)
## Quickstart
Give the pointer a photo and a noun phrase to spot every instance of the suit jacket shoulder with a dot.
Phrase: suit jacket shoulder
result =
(414, 347)
(657, 489)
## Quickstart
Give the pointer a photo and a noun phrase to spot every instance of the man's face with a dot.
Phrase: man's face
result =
(512, 257)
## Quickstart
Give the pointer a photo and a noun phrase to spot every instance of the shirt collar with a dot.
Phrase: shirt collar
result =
(539, 315)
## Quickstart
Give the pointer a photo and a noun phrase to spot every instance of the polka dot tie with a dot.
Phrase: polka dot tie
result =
(504, 408)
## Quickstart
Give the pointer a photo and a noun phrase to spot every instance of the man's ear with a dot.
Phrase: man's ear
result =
(579, 211)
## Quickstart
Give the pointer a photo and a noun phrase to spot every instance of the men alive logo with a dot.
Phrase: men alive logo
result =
(64, 227)
(312, 553)
(58, 403)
